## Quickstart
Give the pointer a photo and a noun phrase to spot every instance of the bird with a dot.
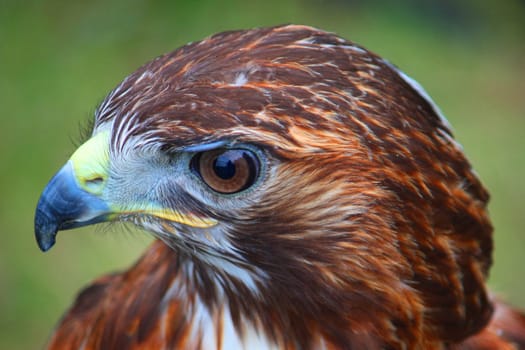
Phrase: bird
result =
(304, 193)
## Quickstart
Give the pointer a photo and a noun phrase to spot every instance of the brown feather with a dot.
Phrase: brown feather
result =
(371, 228)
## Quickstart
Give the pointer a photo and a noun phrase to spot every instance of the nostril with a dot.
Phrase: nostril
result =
(96, 180)
(94, 184)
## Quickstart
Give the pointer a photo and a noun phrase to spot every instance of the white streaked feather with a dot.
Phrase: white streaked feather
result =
(145, 75)
(203, 321)
(422, 92)
(248, 278)
(240, 80)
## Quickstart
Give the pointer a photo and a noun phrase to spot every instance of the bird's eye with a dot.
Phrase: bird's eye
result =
(227, 171)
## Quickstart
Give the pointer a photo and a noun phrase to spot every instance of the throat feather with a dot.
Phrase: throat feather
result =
(207, 296)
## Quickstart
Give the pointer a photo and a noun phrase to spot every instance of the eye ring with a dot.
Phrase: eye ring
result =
(227, 171)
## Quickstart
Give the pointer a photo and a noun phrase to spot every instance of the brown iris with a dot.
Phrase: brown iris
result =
(227, 170)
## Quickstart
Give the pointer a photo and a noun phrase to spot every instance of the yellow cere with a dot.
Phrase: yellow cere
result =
(91, 163)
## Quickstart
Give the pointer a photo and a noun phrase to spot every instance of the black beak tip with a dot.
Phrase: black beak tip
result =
(47, 243)
(45, 231)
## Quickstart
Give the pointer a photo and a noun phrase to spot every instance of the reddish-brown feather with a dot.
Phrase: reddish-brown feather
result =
(372, 228)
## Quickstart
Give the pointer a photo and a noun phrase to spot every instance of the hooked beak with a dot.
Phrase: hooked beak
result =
(64, 205)
(73, 196)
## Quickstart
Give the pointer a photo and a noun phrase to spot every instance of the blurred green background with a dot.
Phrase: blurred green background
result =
(58, 59)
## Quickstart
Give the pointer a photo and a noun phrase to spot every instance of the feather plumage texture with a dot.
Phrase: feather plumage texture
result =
(368, 230)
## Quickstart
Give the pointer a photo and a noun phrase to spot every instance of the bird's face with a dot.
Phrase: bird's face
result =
(227, 160)
(197, 195)
(183, 196)
(294, 154)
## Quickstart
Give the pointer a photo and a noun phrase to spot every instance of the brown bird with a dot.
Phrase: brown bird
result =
(305, 192)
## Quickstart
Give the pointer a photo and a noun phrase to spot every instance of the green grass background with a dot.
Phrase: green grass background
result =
(59, 58)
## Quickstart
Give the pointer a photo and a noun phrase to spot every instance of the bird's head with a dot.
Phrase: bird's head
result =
(294, 155)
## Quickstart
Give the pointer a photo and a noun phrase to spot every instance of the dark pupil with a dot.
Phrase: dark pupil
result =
(224, 167)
